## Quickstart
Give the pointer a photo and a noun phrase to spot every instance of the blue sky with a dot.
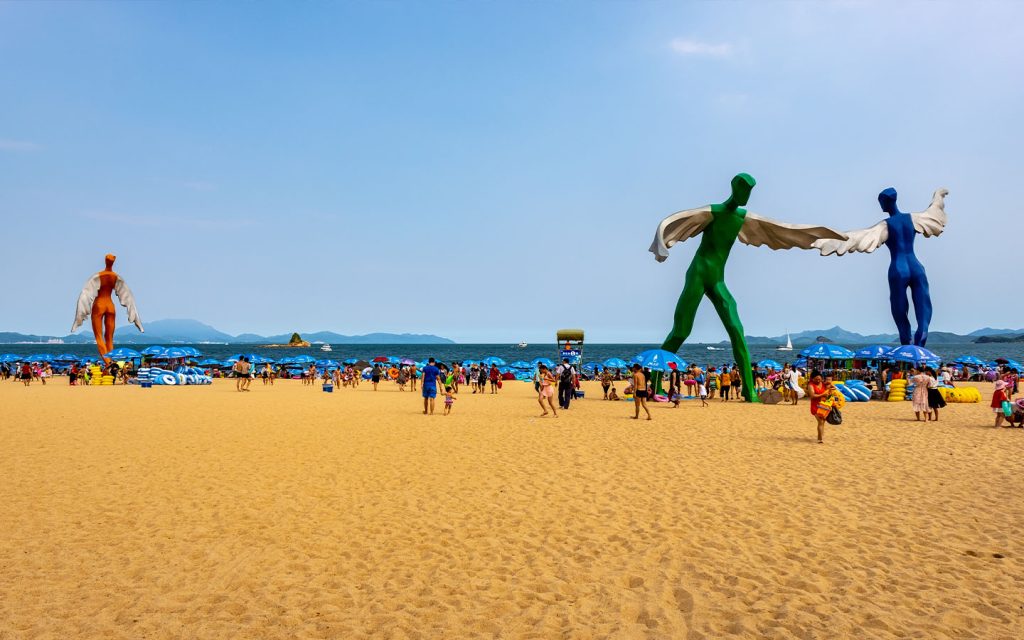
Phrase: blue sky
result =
(493, 171)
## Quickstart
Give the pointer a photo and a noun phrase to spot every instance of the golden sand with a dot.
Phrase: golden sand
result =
(286, 512)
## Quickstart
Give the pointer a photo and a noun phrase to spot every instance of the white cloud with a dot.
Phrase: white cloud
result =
(18, 145)
(688, 47)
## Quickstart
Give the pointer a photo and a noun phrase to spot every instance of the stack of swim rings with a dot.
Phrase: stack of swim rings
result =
(181, 376)
(897, 390)
(960, 394)
(854, 390)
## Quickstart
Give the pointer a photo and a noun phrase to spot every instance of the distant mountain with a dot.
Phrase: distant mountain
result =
(171, 331)
(370, 338)
(839, 335)
(999, 338)
(988, 331)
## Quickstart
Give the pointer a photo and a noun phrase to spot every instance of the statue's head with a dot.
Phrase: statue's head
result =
(742, 185)
(887, 199)
(110, 260)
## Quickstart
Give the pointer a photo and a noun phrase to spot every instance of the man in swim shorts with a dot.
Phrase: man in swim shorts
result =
(639, 392)
(431, 379)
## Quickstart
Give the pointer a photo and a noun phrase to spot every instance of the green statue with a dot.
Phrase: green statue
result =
(721, 225)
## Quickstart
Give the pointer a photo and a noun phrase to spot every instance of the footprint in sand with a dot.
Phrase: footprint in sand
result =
(684, 601)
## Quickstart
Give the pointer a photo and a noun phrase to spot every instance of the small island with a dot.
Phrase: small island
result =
(295, 341)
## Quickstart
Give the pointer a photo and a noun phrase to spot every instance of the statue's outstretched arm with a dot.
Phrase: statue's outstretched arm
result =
(124, 294)
(932, 220)
(85, 300)
(859, 241)
(678, 227)
(758, 230)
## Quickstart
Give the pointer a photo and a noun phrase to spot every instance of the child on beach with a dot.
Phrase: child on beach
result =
(703, 393)
(998, 398)
(613, 394)
(449, 400)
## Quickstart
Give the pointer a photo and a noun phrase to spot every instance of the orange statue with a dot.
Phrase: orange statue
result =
(95, 301)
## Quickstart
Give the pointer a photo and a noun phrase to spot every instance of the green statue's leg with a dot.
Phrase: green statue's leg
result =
(725, 304)
(686, 311)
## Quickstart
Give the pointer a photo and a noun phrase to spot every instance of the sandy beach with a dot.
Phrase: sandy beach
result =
(200, 512)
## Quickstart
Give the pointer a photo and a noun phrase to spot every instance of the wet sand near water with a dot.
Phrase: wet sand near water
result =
(200, 512)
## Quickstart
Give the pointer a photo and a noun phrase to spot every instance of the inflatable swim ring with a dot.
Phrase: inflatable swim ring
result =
(392, 373)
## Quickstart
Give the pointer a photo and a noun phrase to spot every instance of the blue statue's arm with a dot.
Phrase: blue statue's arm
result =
(861, 241)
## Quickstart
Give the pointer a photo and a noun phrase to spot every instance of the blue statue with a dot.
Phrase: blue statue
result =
(905, 270)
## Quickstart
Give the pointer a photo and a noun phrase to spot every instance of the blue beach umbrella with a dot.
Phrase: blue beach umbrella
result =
(326, 363)
(826, 351)
(616, 363)
(303, 359)
(658, 359)
(155, 350)
(192, 352)
(348, 361)
(66, 357)
(123, 353)
(592, 365)
(873, 352)
(911, 353)
(174, 352)
(973, 361)
(10, 357)
(489, 360)
(210, 362)
(547, 362)
(769, 364)
(520, 364)
(40, 357)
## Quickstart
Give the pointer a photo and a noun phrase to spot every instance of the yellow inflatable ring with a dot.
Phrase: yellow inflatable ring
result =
(392, 373)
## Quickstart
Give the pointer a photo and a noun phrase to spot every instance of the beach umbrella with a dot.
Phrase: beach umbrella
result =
(615, 363)
(123, 353)
(66, 357)
(547, 362)
(326, 363)
(361, 364)
(489, 360)
(173, 352)
(769, 364)
(592, 365)
(191, 352)
(39, 357)
(973, 361)
(10, 357)
(406, 362)
(210, 362)
(303, 359)
(381, 359)
(351, 361)
(520, 364)
(910, 353)
(658, 359)
(155, 350)
(826, 351)
(872, 352)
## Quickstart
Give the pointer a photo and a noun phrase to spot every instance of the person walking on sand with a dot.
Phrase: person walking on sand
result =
(639, 392)
(935, 399)
(545, 390)
(818, 391)
(999, 396)
(449, 400)
(375, 377)
(566, 378)
(246, 370)
(919, 400)
(431, 380)
(494, 375)
(236, 369)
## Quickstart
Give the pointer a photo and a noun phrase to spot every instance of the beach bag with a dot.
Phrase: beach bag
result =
(499, 383)
(1007, 409)
(566, 375)
(824, 408)
(834, 416)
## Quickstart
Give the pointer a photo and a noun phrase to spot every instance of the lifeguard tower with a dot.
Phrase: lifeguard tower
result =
(570, 346)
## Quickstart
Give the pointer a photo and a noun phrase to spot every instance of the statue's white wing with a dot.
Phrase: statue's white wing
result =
(85, 299)
(124, 294)
(757, 231)
(861, 241)
(932, 220)
(677, 228)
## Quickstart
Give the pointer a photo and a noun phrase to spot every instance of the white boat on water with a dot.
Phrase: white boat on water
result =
(789, 344)
(523, 345)
(714, 348)
(326, 347)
